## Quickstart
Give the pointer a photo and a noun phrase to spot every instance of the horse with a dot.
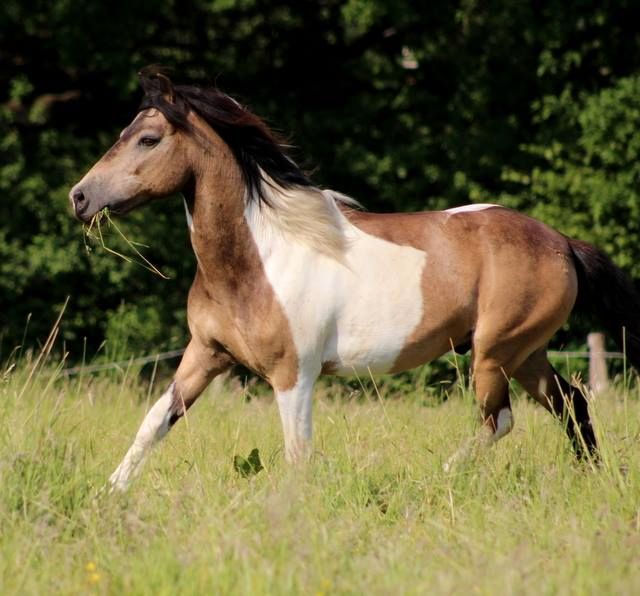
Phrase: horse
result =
(294, 281)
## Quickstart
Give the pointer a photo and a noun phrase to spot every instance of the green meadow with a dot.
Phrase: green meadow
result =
(372, 513)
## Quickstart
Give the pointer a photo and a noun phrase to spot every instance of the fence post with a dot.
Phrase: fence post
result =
(598, 379)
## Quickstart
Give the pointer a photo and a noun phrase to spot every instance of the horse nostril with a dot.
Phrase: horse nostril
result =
(78, 197)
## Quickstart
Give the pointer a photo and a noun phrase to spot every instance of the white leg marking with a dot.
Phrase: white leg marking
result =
(504, 425)
(485, 438)
(154, 426)
(542, 386)
(295, 413)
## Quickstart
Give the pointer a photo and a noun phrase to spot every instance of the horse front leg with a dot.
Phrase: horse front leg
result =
(294, 405)
(199, 365)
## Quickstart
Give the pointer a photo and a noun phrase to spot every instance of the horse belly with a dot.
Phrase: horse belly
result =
(381, 306)
(378, 347)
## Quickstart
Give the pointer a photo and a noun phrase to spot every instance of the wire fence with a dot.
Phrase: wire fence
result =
(584, 354)
(122, 364)
(172, 354)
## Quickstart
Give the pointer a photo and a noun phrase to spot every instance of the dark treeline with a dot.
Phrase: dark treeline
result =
(404, 105)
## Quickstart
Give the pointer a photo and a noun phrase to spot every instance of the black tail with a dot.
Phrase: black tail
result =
(606, 292)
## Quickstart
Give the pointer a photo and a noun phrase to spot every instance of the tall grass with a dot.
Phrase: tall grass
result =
(372, 513)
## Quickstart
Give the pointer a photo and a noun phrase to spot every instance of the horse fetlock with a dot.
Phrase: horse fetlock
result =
(298, 450)
(490, 432)
(504, 424)
(127, 470)
(119, 480)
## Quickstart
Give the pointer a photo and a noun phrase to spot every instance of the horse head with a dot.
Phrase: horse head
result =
(147, 161)
(180, 131)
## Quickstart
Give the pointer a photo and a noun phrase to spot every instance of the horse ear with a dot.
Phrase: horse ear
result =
(166, 87)
(155, 82)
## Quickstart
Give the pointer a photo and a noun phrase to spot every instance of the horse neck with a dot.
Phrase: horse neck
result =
(220, 235)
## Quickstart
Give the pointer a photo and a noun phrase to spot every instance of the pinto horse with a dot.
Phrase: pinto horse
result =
(294, 281)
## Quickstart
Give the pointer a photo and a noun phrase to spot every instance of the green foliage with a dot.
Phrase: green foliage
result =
(584, 180)
(404, 106)
(250, 466)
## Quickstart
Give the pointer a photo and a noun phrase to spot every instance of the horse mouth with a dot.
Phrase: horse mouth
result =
(122, 207)
(116, 209)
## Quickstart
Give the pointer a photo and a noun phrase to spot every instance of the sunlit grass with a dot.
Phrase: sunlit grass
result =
(373, 513)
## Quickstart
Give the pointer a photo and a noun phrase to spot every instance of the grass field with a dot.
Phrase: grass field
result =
(372, 513)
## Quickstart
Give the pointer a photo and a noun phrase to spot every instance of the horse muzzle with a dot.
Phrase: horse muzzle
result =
(85, 207)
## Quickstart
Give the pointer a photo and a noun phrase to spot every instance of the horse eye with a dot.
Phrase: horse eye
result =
(148, 141)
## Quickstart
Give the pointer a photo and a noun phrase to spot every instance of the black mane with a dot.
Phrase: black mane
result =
(254, 146)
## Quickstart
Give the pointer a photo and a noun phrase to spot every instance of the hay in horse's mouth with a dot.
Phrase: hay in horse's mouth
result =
(93, 231)
(94, 223)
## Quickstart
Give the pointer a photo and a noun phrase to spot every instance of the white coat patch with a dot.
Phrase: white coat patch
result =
(468, 208)
(189, 218)
(356, 314)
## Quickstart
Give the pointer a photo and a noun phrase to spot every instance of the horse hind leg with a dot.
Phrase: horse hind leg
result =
(491, 386)
(496, 353)
(567, 403)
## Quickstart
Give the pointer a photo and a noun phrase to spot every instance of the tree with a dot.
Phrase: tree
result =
(585, 179)
(402, 105)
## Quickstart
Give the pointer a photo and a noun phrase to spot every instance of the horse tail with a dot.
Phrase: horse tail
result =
(608, 294)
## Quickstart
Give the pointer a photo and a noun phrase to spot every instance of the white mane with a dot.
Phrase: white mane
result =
(303, 215)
